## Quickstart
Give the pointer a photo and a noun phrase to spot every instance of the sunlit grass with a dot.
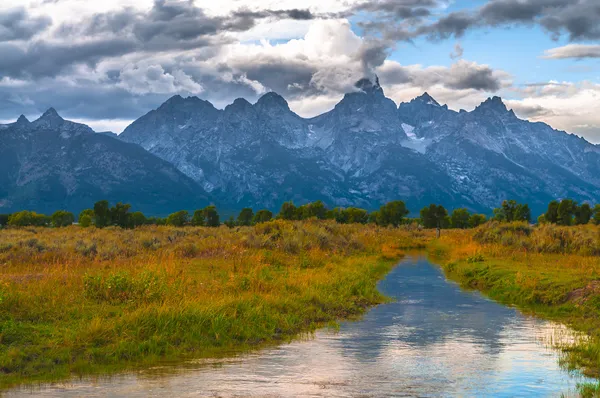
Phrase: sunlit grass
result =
(76, 301)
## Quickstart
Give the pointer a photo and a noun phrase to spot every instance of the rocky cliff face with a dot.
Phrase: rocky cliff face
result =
(52, 164)
(367, 151)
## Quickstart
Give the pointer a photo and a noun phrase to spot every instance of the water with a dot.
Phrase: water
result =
(434, 340)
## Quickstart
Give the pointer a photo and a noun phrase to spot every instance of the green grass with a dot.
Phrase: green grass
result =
(162, 294)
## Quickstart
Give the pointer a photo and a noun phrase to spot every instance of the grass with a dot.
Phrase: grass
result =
(79, 301)
(549, 271)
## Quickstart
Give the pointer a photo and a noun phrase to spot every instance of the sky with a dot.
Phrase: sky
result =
(106, 63)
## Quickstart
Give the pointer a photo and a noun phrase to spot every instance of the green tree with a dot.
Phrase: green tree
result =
(230, 222)
(119, 215)
(460, 218)
(288, 211)
(62, 218)
(551, 214)
(138, 219)
(596, 217)
(316, 209)
(434, 216)
(392, 213)
(178, 219)
(542, 219)
(4, 219)
(86, 212)
(262, 216)
(245, 217)
(583, 214)
(85, 220)
(354, 215)
(27, 218)
(476, 220)
(373, 217)
(211, 216)
(512, 211)
(566, 211)
(102, 214)
(198, 218)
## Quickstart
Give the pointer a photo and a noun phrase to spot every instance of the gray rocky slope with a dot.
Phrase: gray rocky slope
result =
(367, 151)
(51, 164)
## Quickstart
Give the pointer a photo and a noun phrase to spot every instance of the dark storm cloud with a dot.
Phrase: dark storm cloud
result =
(49, 59)
(481, 79)
(578, 19)
(17, 24)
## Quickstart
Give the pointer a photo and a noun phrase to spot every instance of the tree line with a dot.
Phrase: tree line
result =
(395, 213)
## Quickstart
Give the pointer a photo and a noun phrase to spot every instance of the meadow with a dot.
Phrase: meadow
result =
(78, 301)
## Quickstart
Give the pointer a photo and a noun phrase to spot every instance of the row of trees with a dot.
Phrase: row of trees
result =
(565, 212)
(569, 212)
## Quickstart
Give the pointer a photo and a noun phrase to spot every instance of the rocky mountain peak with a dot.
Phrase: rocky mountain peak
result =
(272, 100)
(426, 99)
(367, 85)
(22, 120)
(494, 104)
(51, 114)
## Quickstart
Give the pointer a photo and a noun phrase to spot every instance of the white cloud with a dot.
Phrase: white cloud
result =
(577, 51)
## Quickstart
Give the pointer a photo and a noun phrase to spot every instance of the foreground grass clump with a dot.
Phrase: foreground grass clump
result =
(78, 301)
(547, 270)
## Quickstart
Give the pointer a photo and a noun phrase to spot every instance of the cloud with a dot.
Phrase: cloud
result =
(578, 51)
(458, 51)
(18, 24)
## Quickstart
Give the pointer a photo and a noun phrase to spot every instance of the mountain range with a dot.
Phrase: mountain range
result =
(364, 152)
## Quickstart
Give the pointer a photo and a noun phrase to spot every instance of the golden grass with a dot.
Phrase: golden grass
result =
(79, 301)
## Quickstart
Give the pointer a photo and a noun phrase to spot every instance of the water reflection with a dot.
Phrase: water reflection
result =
(434, 340)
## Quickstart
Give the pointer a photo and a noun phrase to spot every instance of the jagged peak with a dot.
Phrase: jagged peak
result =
(22, 120)
(272, 99)
(51, 114)
(427, 99)
(493, 103)
(240, 104)
(367, 85)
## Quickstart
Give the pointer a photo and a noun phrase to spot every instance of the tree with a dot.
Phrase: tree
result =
(119, 215)
(138, 219)
(355, 215)
(583, 214)
(596, 218)
(373, 217)
(178, 219)
(102, 214)
(245, 217)
(27, 218)
(87, 212)
(62, 218)
(392, 213)
(288, 211)
(476, 220)
(230, 222)
(512, 211)
(434, 216)
(211, 216)
(85, 221)
(460, 218)
(316, 209)
(566, 211)
(198, 218)
(551, 214)
(4, 219)
(262, 216)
